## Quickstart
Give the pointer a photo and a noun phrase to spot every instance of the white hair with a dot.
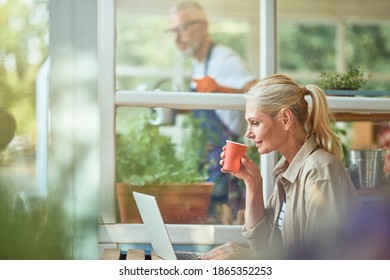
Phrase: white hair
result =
(194, 9)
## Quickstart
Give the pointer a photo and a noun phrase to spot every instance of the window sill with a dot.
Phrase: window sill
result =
(179, 234)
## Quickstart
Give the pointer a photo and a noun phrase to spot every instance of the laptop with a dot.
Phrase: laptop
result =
(157, 232)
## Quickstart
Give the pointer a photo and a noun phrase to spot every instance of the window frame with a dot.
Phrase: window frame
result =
(110, 231)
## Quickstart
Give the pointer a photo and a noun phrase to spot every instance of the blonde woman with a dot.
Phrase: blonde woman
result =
(314, 197)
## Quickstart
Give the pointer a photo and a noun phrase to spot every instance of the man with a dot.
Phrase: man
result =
(216, 68)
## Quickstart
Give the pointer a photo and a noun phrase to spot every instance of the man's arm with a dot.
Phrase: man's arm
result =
(208, 84)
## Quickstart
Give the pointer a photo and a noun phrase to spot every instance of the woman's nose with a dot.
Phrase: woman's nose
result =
(249, 134)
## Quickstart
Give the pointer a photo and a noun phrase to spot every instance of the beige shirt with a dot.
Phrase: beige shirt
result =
(320, 199)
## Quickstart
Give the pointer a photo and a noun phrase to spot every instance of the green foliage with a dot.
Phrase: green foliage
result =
(23, 48)
(30, 233)
(342, 134)
(306, 46)
(145, 156)
(253, 154)
(371, 43)
(353, 79)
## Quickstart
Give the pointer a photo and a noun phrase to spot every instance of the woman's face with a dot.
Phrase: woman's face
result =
(266, 132)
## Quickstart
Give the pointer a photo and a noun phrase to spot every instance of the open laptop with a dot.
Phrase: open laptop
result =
(157, 232)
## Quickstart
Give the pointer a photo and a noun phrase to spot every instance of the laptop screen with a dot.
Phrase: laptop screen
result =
(154, 225)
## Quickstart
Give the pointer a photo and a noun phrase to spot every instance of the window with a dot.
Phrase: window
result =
(135, 79)
(147, 61)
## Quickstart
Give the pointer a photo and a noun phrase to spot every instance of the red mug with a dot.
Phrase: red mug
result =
(234, 152)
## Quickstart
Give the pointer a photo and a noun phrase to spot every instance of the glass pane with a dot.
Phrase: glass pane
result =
(306, 46)
(334, 38)
(161, 145)
(28, 231)
(309, 39)
(344, 38)
(147, 57)
(369, 45)
(156, 155)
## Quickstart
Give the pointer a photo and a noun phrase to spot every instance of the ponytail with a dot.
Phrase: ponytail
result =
(318, 123)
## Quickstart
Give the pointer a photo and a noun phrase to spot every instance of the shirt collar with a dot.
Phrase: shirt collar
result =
(290, 171)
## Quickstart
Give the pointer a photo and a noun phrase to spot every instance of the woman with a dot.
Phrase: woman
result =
(314, 196)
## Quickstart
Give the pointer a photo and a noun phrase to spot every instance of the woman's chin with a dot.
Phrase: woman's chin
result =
(262, 151)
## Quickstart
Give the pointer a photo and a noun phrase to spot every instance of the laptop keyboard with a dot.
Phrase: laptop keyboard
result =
(186, 256)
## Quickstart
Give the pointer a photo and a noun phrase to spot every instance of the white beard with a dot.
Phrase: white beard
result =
(188, 52)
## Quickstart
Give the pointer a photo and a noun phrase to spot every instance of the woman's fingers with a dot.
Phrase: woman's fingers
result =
(228, 251)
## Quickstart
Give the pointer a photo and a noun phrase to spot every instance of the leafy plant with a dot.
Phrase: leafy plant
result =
(342, 133)
(39, 231)
(22, 22)
(353, 79)
(145, 156)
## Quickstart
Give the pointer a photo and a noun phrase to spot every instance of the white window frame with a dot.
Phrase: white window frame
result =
(109, 99)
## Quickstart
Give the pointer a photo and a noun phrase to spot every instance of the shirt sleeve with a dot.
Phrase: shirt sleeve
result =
(259, 237)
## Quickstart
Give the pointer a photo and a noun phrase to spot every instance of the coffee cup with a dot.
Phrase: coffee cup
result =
(234, 152)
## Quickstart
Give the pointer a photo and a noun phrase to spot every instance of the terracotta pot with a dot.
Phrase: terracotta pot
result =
(179, 203)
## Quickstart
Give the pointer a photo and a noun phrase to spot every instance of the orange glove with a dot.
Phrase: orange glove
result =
(208, 84)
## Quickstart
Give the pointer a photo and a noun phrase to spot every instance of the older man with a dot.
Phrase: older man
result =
(219, 69)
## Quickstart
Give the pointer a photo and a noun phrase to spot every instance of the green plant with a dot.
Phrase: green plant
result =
(342, 134)
(146, 156)
(353, 79)
(32, 229)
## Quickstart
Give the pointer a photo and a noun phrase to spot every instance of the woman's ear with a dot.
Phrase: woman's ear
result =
(287, 117)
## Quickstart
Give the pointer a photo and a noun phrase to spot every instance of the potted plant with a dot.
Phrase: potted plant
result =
(150, 162)
(353, 79)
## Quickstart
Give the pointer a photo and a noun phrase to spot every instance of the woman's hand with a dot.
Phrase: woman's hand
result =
(254, 205)
(229, 251)
(248, 172)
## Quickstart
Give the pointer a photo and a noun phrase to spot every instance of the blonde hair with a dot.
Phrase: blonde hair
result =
(279, 91)
(194, 9)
